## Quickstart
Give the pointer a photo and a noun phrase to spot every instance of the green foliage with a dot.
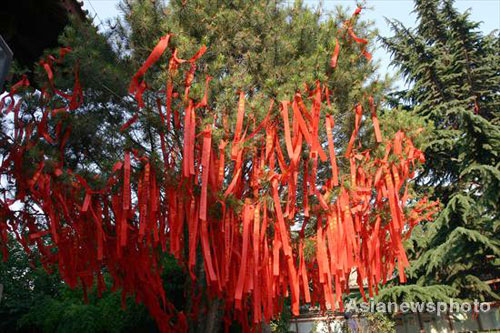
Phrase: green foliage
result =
(379, 323)
(452, 70)
(23, 285)
(36, 300)
(416, 293)
(282, 323)
(68, 313)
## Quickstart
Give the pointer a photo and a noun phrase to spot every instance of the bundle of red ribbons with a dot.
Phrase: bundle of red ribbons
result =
(252, 259)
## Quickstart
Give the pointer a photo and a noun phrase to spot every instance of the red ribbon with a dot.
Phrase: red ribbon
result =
(153, 58)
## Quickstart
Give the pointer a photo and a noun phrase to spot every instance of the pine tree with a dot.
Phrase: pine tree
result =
(453, 75)
(266, 49)
(269, 49)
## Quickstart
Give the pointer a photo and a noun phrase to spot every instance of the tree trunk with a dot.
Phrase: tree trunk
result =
(214, 316)
(208, 321)
(420, 322)
(450, 321)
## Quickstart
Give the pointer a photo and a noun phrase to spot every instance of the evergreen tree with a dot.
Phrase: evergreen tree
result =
(266, 49)
(454, 83)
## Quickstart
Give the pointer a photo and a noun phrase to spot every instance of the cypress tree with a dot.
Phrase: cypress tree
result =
(452, 71)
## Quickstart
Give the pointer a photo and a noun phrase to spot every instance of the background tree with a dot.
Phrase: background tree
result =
(453, 75)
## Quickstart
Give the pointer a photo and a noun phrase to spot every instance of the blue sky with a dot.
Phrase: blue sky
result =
(486, 11)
